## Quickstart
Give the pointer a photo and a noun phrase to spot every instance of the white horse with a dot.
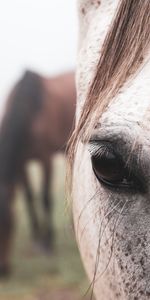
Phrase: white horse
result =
(110, 150)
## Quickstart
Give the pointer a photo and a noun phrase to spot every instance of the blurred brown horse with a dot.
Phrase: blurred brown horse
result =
(37, 123)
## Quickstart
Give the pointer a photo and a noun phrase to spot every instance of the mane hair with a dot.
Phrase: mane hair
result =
(124, 48)
(22, 104)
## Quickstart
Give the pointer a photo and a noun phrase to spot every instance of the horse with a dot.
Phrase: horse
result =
(38, 120)
(110, 148)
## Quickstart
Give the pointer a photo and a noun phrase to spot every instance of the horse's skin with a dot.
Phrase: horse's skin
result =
(112, 210)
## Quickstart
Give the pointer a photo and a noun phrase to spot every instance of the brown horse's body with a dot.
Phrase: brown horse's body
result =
(51, 127)
(38, 121)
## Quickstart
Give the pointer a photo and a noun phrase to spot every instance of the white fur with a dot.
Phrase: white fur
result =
(127, 276)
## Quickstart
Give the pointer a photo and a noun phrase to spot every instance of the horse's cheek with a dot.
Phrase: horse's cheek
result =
(89, 206)
(113, 233)
(132, 251)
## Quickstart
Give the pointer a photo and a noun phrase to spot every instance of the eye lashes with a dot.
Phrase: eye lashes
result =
(98, 150)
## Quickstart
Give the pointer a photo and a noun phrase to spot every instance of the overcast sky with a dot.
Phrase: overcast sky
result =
(36, 34)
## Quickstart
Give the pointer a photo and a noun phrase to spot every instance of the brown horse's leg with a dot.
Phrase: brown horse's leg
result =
(35, 227)
(48, 232)
(6, 228)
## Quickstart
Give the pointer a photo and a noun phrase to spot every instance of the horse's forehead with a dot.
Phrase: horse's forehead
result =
(132, 104)
(133, 101)
(94, 22)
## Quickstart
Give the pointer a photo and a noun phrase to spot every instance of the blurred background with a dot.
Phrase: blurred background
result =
(40, 36)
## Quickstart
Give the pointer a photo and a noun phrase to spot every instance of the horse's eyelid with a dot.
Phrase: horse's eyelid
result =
(94, 147)
(97, 148)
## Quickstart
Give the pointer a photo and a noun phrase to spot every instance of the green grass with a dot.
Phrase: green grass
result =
(35, 275)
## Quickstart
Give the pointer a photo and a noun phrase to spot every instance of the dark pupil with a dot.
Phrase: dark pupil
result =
(108, 168)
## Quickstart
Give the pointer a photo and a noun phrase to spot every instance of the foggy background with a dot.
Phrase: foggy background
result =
(40, 35)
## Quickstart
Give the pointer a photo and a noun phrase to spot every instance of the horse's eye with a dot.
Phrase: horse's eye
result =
(110, 169)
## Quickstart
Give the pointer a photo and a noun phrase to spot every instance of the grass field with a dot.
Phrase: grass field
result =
(34, 275)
